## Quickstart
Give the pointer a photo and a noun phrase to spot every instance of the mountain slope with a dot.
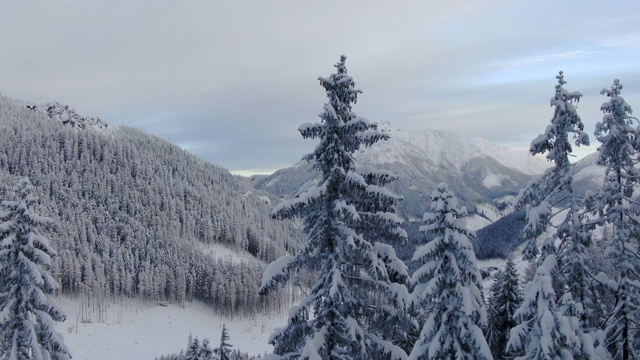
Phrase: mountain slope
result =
(137, 216)
(500, 238)
(478, 172)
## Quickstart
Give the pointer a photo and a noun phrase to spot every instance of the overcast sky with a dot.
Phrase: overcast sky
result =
(231, 81)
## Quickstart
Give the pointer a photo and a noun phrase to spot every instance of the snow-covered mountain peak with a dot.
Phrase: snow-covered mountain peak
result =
(441, 147)
(445, 148)
(69, 117)
(519, 159)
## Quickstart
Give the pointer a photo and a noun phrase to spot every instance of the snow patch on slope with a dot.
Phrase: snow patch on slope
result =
(493, 180)
(218, 251)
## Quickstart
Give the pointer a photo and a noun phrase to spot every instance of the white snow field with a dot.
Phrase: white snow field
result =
(134, 331)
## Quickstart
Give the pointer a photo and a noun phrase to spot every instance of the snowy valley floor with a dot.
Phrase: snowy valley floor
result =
(132, 331)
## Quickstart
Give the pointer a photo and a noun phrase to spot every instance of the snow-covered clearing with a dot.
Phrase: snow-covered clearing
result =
(218, 251)
(133, 331)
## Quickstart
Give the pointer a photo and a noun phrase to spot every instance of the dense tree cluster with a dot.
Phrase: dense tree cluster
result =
(615, 204)
(568, 310)
(565, 312)
(138, 217)
(202, 350)
(27, 308)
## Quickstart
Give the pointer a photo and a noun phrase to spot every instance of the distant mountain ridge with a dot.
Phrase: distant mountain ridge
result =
(477, 171)
(502, 237)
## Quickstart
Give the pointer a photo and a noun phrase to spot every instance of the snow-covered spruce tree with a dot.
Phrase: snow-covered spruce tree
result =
(193, 351)
(505, 298)
(545, 332)
(224, 350)
(205, 351)
(448, 285)
(554, 187)
(571, 279)
(349, 220)
(27, 308)
(614, 205)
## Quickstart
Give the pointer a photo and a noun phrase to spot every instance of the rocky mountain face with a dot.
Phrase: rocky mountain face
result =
(69, 117)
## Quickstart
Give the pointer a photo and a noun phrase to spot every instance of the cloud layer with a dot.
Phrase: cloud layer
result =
(231, 81)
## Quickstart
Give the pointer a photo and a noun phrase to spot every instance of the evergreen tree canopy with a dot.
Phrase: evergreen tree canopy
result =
(546, 331)
(27, 308)
(350, 223)
(614, 204)
(448, 285)
(554, 186)
(224, 350)
(504, 300)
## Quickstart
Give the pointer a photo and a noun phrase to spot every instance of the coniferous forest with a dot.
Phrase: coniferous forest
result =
(135, 216)
(103, 213)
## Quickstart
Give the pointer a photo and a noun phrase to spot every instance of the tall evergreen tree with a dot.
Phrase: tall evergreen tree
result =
(205, 351)
(28, 311)
(448, 285)
(567, 271)
(620, 143)
(546, 331)
(504, 301)
(349, 220)
(193, 351)
(224, 350)
(555, 185)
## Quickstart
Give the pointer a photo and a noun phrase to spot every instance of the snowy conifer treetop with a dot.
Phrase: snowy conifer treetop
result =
(447, 285)
(348, 217)
(28, 311)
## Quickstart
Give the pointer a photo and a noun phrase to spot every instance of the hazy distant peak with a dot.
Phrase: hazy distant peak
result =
(446, 147)
(519, 159)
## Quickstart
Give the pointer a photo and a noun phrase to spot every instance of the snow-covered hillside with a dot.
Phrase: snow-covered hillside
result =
(136, 216)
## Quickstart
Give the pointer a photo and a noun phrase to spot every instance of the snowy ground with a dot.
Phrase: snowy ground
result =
(133, 331)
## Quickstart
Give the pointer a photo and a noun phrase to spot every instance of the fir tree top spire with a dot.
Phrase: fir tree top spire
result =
(615, 89)
(342, 68)
(561, 80)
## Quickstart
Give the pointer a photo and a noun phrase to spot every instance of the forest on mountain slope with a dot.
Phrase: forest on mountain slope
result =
(136, 216)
